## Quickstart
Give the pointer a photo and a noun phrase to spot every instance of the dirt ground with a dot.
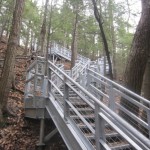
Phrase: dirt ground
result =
(18, 132)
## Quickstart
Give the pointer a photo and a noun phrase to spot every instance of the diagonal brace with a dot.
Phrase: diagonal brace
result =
(50, 135)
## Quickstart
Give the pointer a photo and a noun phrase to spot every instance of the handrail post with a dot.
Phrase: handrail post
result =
(88, 80)
(35, 79)
(49, 78)
(66, 98)
(27, 86)
(112, 105)
(99, 128)
(148, 121)
(44, 86)
(80, 78)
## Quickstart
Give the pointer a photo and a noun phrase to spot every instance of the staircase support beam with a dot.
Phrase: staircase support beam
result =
(41, 140)
(50, 135)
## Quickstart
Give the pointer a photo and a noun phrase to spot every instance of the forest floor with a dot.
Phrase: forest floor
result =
(18, 132)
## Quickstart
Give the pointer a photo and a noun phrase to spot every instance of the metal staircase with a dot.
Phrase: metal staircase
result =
(86, 113)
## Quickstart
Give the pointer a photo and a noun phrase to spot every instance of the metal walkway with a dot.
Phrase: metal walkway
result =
(86, 107)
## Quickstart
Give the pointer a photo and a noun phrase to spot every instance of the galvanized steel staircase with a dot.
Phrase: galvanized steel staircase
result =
(86, 113)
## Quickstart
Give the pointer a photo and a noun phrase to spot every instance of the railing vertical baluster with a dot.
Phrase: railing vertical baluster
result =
(27, 86)
(112, 105)
(84, 80)
(99, 128)
(66, 98)
(44, 87)
(88, 80)
(148, 121)
(80, 78)
(49, 78)
(35, 79)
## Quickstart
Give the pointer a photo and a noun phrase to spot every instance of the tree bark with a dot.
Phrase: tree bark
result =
(113, 38)
(146, 81)
(137, 60)
(139, 53)
(146, 93)
(27, 39)
(48, 38)
(74, 41)
(43, 32)
(99, 20)
(10, 56)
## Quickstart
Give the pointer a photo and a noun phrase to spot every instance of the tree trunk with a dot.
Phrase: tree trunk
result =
(1, 4)
(146, 92)
(31, 49)
(140, 48)
(48, 38)
(138, 58)
(74, 41)
(3, 28)
(99, 20)
(27, 40)
(10, 56)
(8, 28)
(113, 37)
(43, 32)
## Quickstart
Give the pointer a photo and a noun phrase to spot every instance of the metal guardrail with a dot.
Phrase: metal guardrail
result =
(36, 82)
(66, 53)
(81, 62)
(134, 108)
(102, 114)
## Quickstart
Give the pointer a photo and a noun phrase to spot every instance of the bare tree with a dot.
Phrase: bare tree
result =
(99, 20)
(138, 58)
(9, 62)
(42, 50)
(74, 39)
(139, 52)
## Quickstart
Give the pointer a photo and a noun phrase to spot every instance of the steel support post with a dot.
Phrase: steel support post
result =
(35, 78)
(80, 78)
(53, 58)
(112, 105)
(99, 129)
(50, 135)
(27, 86)
(49, 78)
(66, 98)
(44, 87)
(148, 121)
(41, 139)
(88, 81)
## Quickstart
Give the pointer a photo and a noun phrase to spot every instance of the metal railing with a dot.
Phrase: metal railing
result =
(130, 106)
(100, 112)
(35, 80)
(79, 69)
(81, 62)
(104, 114)
(66, 53)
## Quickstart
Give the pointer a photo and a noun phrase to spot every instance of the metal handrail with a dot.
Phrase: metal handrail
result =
(135, 133)
(121, 87)
(93, 83)
(64, 51)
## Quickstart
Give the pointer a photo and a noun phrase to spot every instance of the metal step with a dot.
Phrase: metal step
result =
(84, 116)
(122, 146)
(79, 104)
(85, 109)
(83, 126)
